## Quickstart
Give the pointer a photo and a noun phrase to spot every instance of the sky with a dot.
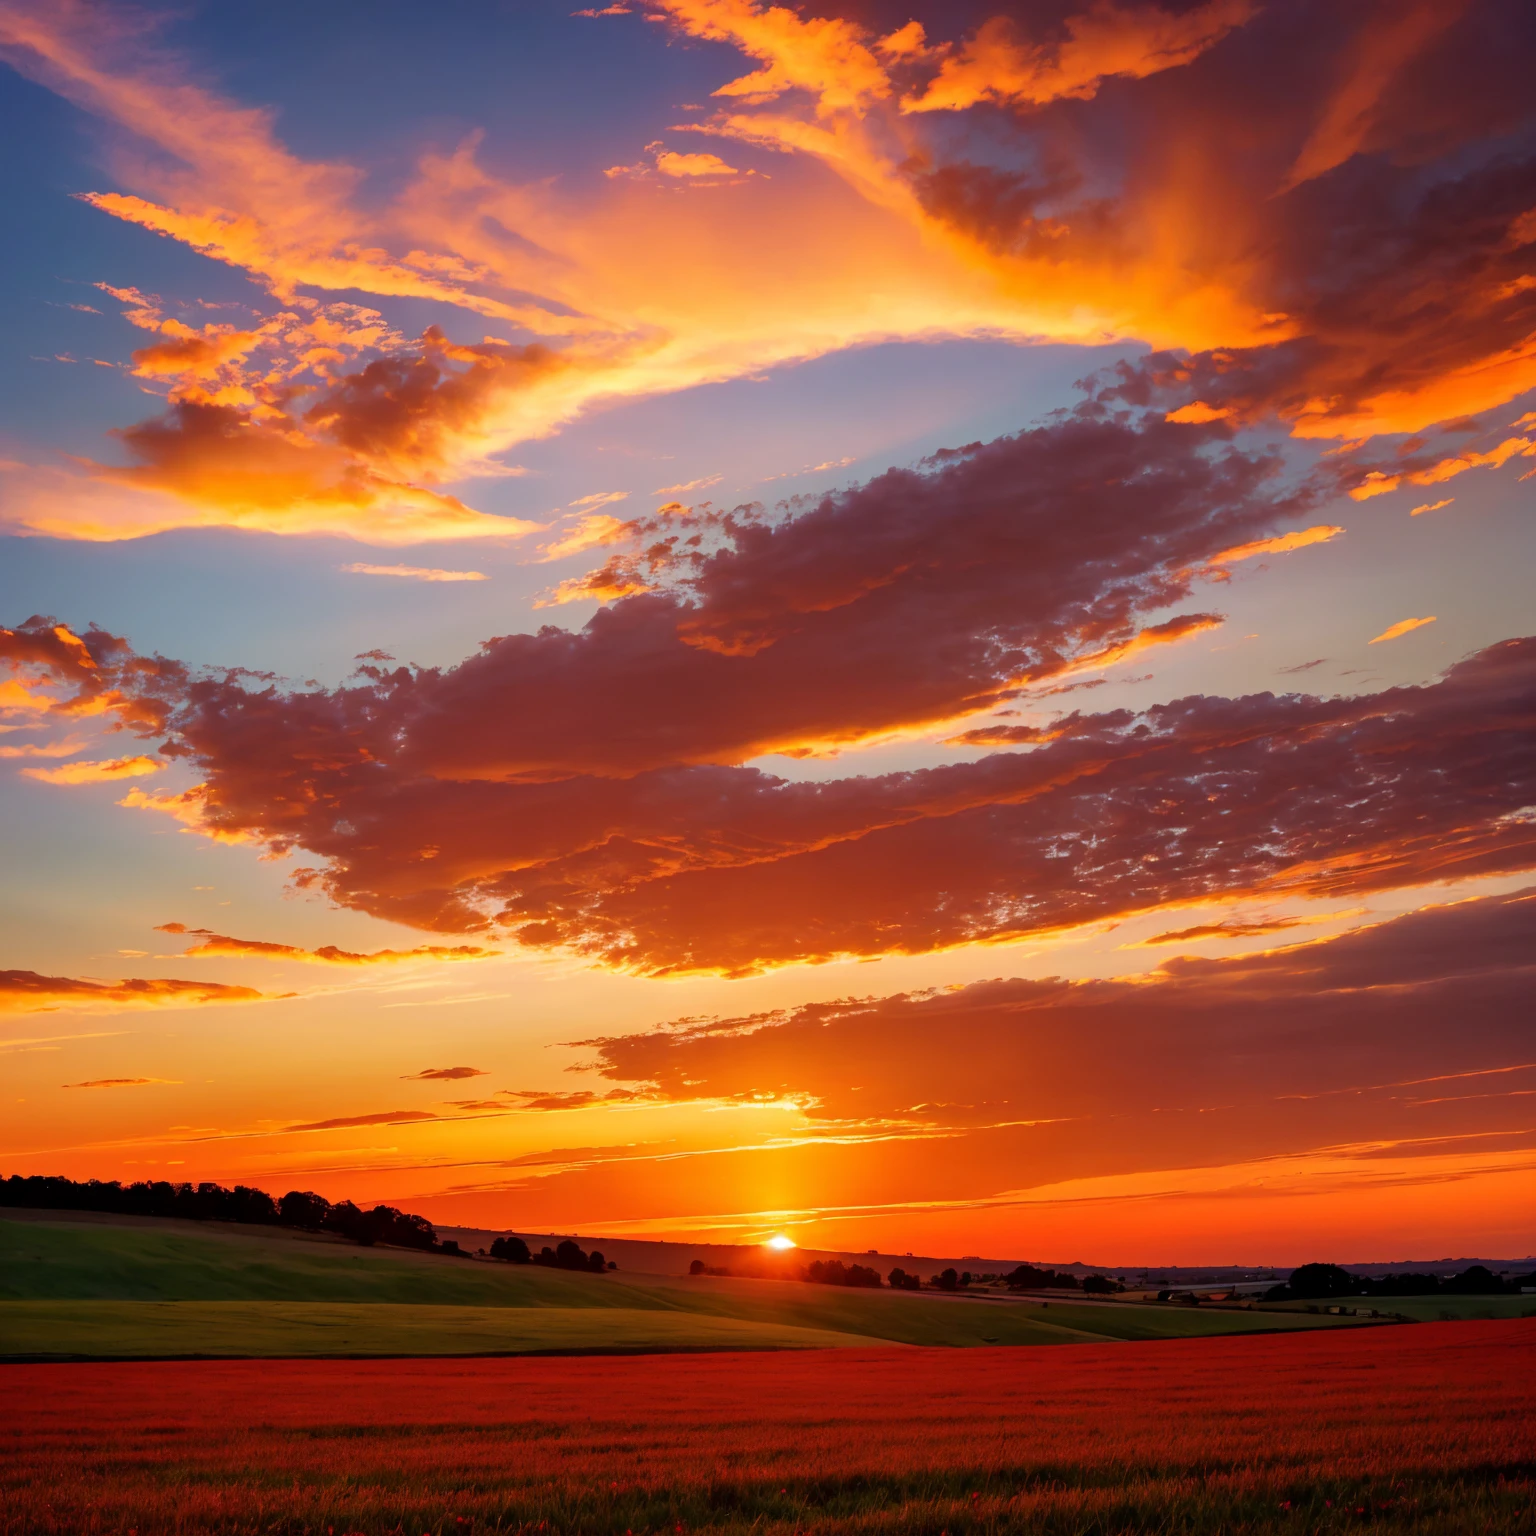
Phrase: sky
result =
(909, 625)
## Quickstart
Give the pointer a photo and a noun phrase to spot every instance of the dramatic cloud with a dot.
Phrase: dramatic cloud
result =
(1121, 813)
(997, 64)
(211, 944)
(1310, 1096)
(1328, 207)
(587, 789)
(28, 992)
(716, 867)
(915, 599)
(287, 440)
(1209, 1061)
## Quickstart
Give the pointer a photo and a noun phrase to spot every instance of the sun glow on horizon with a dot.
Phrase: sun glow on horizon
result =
(781, 1243)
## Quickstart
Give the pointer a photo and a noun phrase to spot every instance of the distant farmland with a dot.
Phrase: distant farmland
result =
(1418, 1429)
(102, 1290)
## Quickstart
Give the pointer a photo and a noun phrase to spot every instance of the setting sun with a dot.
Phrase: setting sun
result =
(780, 1242)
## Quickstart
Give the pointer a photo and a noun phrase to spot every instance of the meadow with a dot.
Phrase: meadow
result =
(1425, 1429)
(101, 1289)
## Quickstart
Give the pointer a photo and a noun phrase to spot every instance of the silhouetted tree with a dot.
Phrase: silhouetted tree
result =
(303, 1208)
(900, 1280)
(1028, 1278)
(947, 1281)
(346, 1220)
(568, 1255)
(1478, 1280)
(513, 1250)
(1316, 1282)
(835, 1272)
(212, 1202)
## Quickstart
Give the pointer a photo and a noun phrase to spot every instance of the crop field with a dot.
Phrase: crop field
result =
(1436, 1309)
(1416, 1429)
(296, 1329)
(92, 1289)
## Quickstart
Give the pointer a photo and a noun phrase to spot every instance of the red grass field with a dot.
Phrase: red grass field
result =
(1425, 1428)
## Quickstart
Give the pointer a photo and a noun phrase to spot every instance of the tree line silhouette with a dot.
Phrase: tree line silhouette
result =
(1322, 1282)
(835, 1272)
(567, 1255)
(299, 1208)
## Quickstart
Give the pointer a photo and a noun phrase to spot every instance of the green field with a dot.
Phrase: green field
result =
(100, 1289)
(1436, 1309)
(295, 1329)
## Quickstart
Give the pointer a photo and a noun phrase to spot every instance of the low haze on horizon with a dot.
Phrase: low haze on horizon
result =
(905, 625)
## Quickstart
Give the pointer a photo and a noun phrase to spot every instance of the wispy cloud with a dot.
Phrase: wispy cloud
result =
(219, 944)
(414, 572)
(1323, 533)
(126, 1082)
(1401, 628)
(97, 772)
(701, 484)
(30, 992)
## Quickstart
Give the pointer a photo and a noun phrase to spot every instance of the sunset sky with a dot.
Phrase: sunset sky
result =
(907, 624)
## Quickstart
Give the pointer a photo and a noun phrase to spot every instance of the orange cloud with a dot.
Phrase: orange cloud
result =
(590, 532)
(1198, 413)
(29, 992)
(1107, 40)
(123, 1082)
(1379, 483)
(891, 1060)
(1402, 627)
(1351, 119)
(824, 55)
(1184, 627)
(96, 773)
(443, 1074)
(43, 749)
(1495, 458)
(189, 807)
(600, 586)
(967, 227)
(55, 672)
(1228, 928)
(1283, 544)
(1227, 1077)
(351, 1122)
(686, 166)
(675, 868)
(218, 944)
